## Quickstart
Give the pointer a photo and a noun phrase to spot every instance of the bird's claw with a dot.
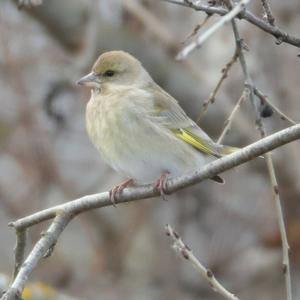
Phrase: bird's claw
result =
(117, 190)
(161, 185)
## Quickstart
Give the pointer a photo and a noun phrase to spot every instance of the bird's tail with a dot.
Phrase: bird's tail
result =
(225, 150)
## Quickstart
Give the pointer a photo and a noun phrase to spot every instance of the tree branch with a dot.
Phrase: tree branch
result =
(267, 8)
(229, 120)
(63, 213)
(21, 235)
(280, 35)
(137, 193)
(203, 37)
(40, 250)
(180, 247)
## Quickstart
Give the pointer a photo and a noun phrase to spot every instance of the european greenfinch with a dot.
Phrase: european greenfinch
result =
(140, 130)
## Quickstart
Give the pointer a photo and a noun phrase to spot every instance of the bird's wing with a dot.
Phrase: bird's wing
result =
(167, 112)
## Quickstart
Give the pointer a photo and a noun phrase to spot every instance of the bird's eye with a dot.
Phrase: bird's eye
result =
(109, 73)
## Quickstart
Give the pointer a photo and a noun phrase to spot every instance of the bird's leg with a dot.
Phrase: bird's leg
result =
(117, 190)
(161, 185)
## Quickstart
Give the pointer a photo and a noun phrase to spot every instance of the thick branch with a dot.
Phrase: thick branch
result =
(130, 194)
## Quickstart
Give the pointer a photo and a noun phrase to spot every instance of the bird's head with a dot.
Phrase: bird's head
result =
(115, 68)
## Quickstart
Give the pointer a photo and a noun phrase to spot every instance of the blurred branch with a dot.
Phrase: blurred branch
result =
(203, 37)
(281, 36)
(66, 79)
(58, 87)
(70, 30)
(152, 23)
(228, 121)
(186, 253)
(29, 3)
(63, 213)
(90, 50)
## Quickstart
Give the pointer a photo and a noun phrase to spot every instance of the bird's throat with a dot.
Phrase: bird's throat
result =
(96, 91)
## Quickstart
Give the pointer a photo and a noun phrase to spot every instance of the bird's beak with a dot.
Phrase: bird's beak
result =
(90, 80)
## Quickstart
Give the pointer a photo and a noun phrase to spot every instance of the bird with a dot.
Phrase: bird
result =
(140, 130)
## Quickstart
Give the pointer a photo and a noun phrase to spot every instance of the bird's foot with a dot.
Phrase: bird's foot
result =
(117, 190)
(161, 185)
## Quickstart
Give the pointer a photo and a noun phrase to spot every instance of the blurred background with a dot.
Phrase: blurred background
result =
(47, 159)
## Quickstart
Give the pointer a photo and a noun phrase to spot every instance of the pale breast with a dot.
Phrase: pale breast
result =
(111, 124)
(102, 121)
(132, 144)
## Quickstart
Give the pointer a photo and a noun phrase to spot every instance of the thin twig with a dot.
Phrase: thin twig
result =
(186, 253)
(249, 89)
(284, 240)
(260, 125)
(196, 29)
(21, 235)
(212, 97)
(265, 99)
(268, 12)
(202, 38)
(228, 122)
(280, 35)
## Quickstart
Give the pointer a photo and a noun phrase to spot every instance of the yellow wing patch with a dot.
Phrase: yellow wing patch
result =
(195, 141)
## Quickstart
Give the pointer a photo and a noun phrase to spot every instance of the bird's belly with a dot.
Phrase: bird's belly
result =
(147, 164)
(144, 157)
(140, 150)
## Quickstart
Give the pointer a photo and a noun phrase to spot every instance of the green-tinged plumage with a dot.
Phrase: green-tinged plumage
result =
(139, 129)
(183, 127)
(200, 144)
